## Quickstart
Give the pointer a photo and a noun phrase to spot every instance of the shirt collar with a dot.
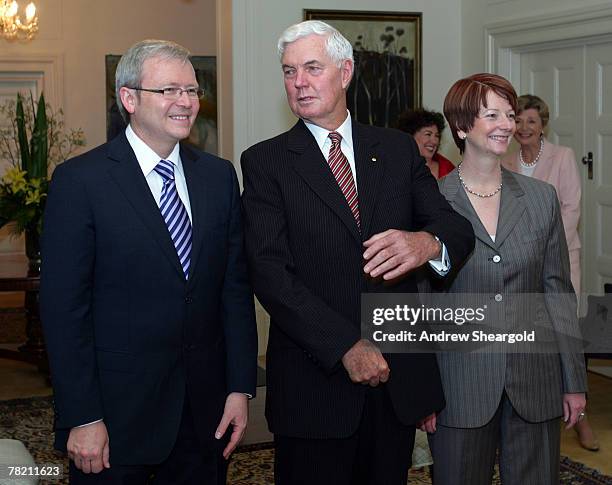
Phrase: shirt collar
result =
(322, 135)
(147, 158)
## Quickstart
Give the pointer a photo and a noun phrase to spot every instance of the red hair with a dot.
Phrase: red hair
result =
(466, 98)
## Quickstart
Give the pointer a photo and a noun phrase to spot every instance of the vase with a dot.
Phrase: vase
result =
(32, 249)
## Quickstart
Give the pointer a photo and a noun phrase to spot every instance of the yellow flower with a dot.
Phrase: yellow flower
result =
(14, 178)
(33, 196)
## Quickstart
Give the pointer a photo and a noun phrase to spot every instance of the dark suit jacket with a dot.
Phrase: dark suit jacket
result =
(128, 338)
(305, 257)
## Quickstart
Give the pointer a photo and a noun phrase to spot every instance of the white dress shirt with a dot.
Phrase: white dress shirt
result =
(148, 160)
(321, 135)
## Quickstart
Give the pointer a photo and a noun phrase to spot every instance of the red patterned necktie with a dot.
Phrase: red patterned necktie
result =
(341, 169)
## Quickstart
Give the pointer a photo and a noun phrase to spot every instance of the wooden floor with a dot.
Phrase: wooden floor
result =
(599, 410)
(18, 380)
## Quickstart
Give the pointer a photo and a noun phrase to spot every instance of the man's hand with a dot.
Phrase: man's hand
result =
(393, 253)
(88, 447)
(428, 424)
(573, 406)
(236, 413)
(365, 364)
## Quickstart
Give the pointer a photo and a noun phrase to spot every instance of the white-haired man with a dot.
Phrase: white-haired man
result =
(330, 210)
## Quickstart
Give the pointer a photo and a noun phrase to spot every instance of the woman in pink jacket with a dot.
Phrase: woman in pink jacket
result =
(555, 164)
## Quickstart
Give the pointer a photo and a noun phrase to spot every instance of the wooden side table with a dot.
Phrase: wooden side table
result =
(15, 276)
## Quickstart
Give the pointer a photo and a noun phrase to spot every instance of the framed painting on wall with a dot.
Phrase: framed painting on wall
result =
(387, 53)
(204, 133)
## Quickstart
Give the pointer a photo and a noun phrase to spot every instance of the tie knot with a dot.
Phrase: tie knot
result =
(166, 169)
(336, 138)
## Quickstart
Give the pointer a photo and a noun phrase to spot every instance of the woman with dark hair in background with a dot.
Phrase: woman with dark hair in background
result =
(426, 127)
(505, 401)
(555, 164)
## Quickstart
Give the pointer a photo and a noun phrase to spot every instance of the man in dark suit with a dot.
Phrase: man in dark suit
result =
(341, 412)
(146, 306)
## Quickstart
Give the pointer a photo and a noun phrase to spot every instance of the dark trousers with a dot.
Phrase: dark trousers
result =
(190, 462)
(528, 452)
(377, 454)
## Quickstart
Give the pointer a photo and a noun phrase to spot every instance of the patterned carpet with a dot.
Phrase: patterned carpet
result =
(30, 421)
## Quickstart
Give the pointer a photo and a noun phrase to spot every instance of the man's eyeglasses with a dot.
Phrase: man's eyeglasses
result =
(175, 93)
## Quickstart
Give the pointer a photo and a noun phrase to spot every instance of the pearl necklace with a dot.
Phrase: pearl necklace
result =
(473, 192)
(535, 160)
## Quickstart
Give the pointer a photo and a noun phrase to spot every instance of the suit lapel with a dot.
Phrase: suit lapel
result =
(130, 179)
(312, 167)
(511, 208)
(198, 202)
(369, 167)
(457, 197)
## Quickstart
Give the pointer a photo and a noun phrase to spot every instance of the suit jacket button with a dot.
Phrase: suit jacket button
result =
(496, 258)
(188, 299)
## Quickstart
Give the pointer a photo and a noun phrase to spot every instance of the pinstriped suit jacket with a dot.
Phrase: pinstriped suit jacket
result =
(534, 259)
(305, 255)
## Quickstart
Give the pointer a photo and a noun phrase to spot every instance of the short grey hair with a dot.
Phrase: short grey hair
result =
(129, 69)
(338, 48)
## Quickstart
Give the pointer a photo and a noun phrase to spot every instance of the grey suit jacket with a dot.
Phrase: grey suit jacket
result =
(529, 255)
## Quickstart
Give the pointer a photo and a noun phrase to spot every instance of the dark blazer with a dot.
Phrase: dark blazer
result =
(305, 257)
(529, 256)
(128, 338)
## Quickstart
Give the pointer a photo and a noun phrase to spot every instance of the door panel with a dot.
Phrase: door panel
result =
(576, 82)
(597, 196)
(555, 75)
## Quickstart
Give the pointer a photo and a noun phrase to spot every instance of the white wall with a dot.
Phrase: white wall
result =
(260, 108)
(477, 14)
(83, 32)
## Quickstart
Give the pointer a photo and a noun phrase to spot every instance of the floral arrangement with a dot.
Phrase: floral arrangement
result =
(35, 142)
(22, 199)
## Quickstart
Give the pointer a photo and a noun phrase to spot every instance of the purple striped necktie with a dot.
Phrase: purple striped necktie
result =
(175, 215)
(341, 169)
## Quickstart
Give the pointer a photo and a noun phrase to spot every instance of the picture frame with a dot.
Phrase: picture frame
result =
(204, 133)
(387, 50)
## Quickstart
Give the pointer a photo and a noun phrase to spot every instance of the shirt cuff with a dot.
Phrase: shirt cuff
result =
(442, 264)
(87, 424)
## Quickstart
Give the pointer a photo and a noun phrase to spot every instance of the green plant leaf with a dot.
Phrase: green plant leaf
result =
(39, 143)
(36, 140)
(22, 136)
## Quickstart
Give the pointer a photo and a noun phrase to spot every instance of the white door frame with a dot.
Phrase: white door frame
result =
(506, 40)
